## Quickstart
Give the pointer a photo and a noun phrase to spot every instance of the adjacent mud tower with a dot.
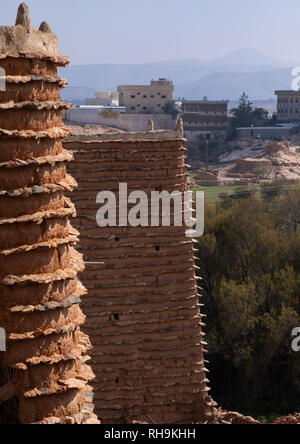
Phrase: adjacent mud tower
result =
(142, 308)
(39, 290)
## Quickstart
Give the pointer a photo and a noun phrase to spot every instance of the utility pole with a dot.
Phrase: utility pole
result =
(206, 153)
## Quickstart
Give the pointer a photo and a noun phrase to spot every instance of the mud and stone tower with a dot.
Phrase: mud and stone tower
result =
(39, 289)
(143, 310)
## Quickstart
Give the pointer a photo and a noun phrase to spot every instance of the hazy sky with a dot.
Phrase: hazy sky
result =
(138, 31)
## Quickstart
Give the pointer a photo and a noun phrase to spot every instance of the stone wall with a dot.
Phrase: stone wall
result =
(252, 165)
(211, 177)
(127, 122)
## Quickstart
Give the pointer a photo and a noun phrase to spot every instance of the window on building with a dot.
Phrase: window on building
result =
(144, 97)
(138, 106)
(132, 97)
(144, 107)
(158, 94)
(132, 108)
(164, 97)
(190, 108)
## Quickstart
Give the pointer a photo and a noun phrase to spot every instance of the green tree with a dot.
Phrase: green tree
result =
(245, 116)
(259, 116)
(170, 108)
(250, 264)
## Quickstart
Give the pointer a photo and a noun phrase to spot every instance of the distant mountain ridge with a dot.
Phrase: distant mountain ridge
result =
(246, 57)
(224, 77)
(258, 85)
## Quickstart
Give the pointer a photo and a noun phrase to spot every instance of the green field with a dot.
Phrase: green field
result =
(214, 194)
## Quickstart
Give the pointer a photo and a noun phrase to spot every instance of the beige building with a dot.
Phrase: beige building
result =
(105, 98)
(206, 118)
(288, 105)
(146, 99)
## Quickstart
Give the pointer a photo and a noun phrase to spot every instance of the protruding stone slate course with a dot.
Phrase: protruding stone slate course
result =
(143, 310)
(39, 289)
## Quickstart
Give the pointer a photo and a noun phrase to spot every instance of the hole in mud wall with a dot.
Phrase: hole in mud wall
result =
(116, 316)
(157, 248)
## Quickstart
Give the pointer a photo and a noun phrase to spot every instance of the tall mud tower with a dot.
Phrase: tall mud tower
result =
(142, 308)
(39, 290)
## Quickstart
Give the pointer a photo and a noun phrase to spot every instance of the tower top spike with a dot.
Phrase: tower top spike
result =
(45, 27)
(23, 38)
(150, 126)
(179, 127)
(23, 16)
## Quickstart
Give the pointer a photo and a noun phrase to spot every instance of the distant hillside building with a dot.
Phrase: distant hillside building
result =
(288, 105)
(143, 99)
(105, 98)
(205, 117)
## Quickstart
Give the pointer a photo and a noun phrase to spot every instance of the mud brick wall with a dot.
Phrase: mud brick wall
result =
(208, 175)
(39, 289)
(142, 307)
(251, 165)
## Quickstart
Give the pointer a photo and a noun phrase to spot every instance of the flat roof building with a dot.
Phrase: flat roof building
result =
(277, 132)
(288, 105)
(205, 117)
(146, 99)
